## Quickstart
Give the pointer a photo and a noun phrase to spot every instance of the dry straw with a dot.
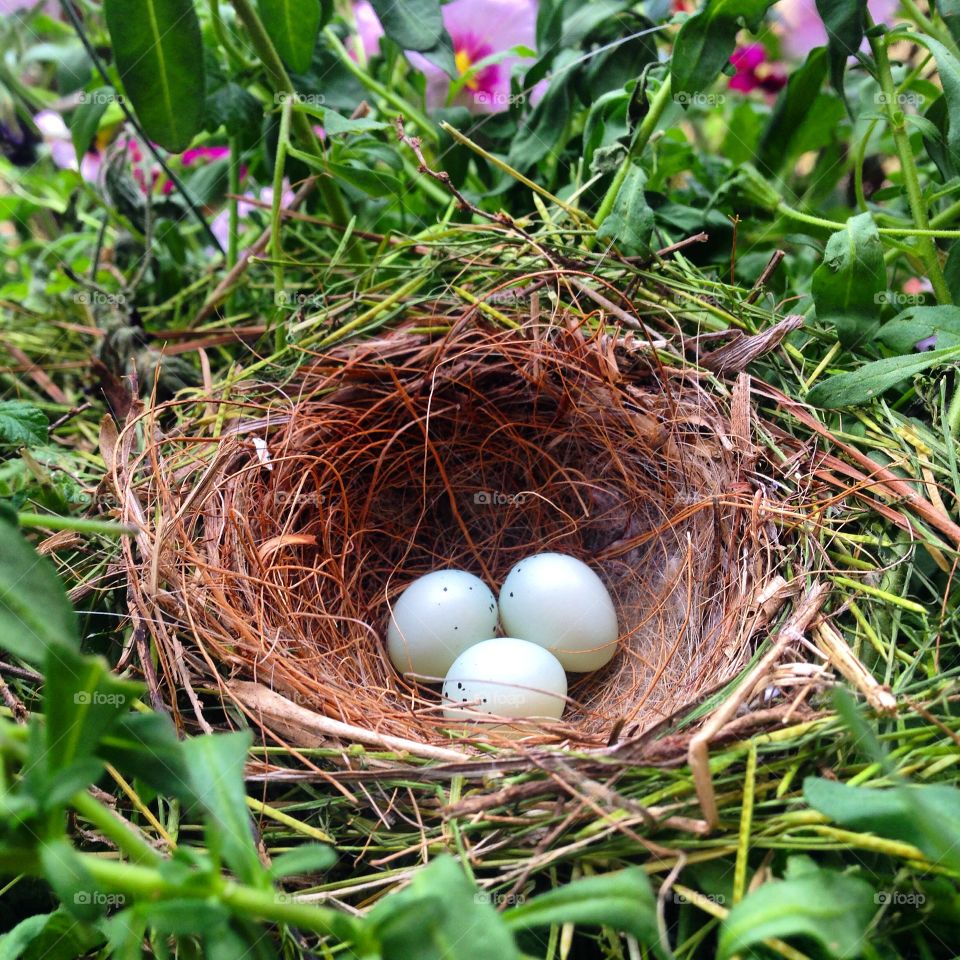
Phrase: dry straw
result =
(273, 541)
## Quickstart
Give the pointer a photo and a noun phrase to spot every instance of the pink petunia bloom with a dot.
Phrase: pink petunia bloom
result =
(56, 135)
(221, 223)
(478, 29)
(802, 28)
(754, 72)
(369, 29)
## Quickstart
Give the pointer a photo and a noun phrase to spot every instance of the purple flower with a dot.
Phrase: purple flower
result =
(368, 28)
(56, 135)
(927, 343)
(478, 29)
(802, 28)
(753, 71)
(221, 223)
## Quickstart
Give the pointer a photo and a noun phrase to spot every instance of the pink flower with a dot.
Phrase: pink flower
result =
(368, 28)
(8, 7)
(56, 135)
(221, 223)
(802, 28)
(479, 29)
(753, 71)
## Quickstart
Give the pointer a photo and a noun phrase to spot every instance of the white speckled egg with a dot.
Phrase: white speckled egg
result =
(558, 602)
(506, 677)
(436, 618)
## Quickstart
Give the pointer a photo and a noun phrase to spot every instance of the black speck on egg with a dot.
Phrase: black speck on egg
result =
(444, 589)
(511, 593)
(459, 685)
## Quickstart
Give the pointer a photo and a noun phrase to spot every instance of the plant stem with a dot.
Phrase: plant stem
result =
(408, 110)
(46, 521)
(911, 179)
(112, 827)
(276, 240)
(280, 79)
(649, 123)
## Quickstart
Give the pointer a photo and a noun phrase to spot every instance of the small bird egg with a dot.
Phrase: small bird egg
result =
(558, 602)
(506, 677)
(436, 618)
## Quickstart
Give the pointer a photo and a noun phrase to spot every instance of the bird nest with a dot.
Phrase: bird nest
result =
(277, 527)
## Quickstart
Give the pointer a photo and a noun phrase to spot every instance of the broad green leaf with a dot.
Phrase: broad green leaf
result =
(848, 285)
(49, 936)
(294, 26)
(845, 22)
(377, 183)
(413, 24)
(872, 379)
(948, 69)
(22, 424)
(791, 111)
(622, 900)
(822, 905)
(704, 44)
(950, 11)
(906, 329)
(85, 120)
(81, 701)
(181, 916)
(334, 123)
(216, 767)
(630, 221)
(310, 858)
(65, 871)
(159, 53)
(535, 137)
(927, 815)
(440, 915)
(34, 611)
(146, 746)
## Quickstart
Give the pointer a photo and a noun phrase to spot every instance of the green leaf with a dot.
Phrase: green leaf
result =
(310, 858)
(630, 221)
(216, 767)
(622, 900)
(845, 22)
(535, 137)
(704, 44)
(34, 611)
(948, 69)
(85, 120)
(413, 24)
(926, 816)
(848, 285)
(825, 906)
(49, 936)
(440, 915)
(146, 746)
(377, 183)
(159, 53)
(791, 111)
(334, 123)
(950, 11)
(81, 701)
(906, 329)
(65, 871)
(872, 379)
(22, 424)
(293, 26)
